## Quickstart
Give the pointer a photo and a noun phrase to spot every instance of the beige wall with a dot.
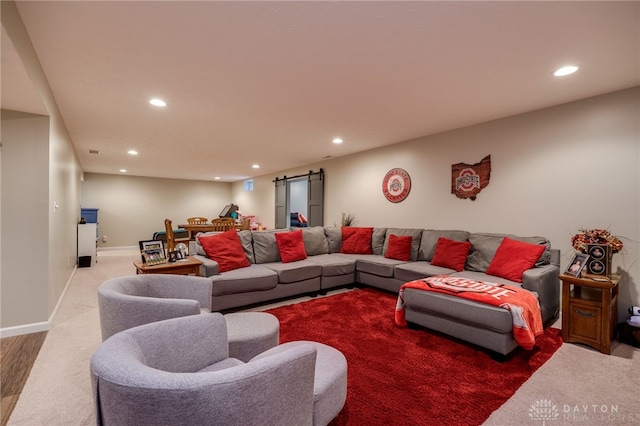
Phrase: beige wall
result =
(553, 171)
(133, 208)
(39, 166)
(25, 195)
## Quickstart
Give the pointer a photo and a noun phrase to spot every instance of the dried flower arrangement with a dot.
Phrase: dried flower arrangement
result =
(595, 236)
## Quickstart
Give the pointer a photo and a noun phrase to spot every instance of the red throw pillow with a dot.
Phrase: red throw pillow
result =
(226, 249)
(451, 254)
(291, 246)
(356, 240)
(399, 247)
(513, 258)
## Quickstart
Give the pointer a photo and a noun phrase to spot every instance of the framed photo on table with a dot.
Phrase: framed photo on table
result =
(152, 252)
(577, 264)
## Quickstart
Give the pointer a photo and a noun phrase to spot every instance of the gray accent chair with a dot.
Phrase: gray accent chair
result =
(178, 372)
(129, 301)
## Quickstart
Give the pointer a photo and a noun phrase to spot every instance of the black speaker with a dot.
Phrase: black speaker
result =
(599, 263)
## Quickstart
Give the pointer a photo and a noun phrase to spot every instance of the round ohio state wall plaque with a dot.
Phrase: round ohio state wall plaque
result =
(396, 185)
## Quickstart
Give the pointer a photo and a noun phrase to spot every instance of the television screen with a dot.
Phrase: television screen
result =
(228, 209)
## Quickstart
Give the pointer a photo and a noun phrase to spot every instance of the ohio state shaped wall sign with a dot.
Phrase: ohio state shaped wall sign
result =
(467, 180)
(396, 185)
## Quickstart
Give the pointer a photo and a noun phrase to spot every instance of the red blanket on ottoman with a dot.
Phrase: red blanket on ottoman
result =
(524, 307)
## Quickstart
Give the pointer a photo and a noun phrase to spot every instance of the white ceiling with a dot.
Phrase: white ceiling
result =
(273, 82)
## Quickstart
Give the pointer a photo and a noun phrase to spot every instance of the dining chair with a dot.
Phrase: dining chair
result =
(245, 224)
(171, 240)
(197, 221)
(223, 224)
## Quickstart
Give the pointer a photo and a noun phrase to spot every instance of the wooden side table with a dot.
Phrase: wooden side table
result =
(187, 266)
(589, 311)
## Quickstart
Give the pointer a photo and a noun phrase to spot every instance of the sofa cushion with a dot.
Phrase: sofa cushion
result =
(334, 238)
(315, 241)
(226, 249)
(485, 245)
(451, 254)
(290, 246)
(377, 240)
(247, 244)
(295, 271)
(416, 270)
(513, 258)
(415, 235)
(252, 278)
(333, 266)
(481, 276)
(265, 247)
(375, 264)
(429, 240)
(356, 240)
(398, 247)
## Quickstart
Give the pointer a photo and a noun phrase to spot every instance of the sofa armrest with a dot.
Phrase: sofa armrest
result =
(545, 281)
(208, 268)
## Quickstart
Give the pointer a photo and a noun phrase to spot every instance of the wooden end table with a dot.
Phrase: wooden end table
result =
(589, 311)
(187, 266)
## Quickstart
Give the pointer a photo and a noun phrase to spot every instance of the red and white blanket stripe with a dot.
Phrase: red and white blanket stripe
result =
(524, 306)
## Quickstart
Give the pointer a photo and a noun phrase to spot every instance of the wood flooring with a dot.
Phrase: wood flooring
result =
(17, 356)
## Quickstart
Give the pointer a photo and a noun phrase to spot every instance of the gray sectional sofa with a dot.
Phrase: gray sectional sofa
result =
(268, 278)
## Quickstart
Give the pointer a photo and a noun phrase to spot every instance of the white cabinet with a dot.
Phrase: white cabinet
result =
(87, 243)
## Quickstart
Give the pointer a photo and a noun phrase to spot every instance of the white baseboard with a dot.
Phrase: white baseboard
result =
(118, 248)
(24, 329)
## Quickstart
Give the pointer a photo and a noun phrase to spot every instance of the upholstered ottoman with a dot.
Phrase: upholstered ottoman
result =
(330, 385)
(251, 333)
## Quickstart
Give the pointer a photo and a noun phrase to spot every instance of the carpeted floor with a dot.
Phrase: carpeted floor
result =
(574, 381)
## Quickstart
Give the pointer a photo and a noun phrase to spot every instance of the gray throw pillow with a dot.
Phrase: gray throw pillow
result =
(334, 238)
(265, 247)
(315, 241)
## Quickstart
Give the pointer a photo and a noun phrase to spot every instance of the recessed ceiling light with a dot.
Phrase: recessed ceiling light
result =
(123, 170)
(217, 178)
(132, 152)
(561, 72)
(256, 166)
(158, 102)
(337, 141)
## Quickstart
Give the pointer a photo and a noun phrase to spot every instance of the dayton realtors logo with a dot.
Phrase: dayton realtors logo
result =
(545, 410)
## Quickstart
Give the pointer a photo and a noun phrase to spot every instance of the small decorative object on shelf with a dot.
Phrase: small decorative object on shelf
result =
(599, 245)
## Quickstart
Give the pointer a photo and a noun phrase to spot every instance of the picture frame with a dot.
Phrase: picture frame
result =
(174, 256)
(577, 264)
(152, 252)
(599, 263)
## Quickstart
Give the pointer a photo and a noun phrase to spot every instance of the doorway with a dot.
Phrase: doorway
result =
(302, 194)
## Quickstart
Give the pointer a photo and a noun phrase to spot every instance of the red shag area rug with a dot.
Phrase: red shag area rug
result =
(402, 376)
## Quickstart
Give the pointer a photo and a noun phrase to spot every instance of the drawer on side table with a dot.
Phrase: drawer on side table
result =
(585, 323)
